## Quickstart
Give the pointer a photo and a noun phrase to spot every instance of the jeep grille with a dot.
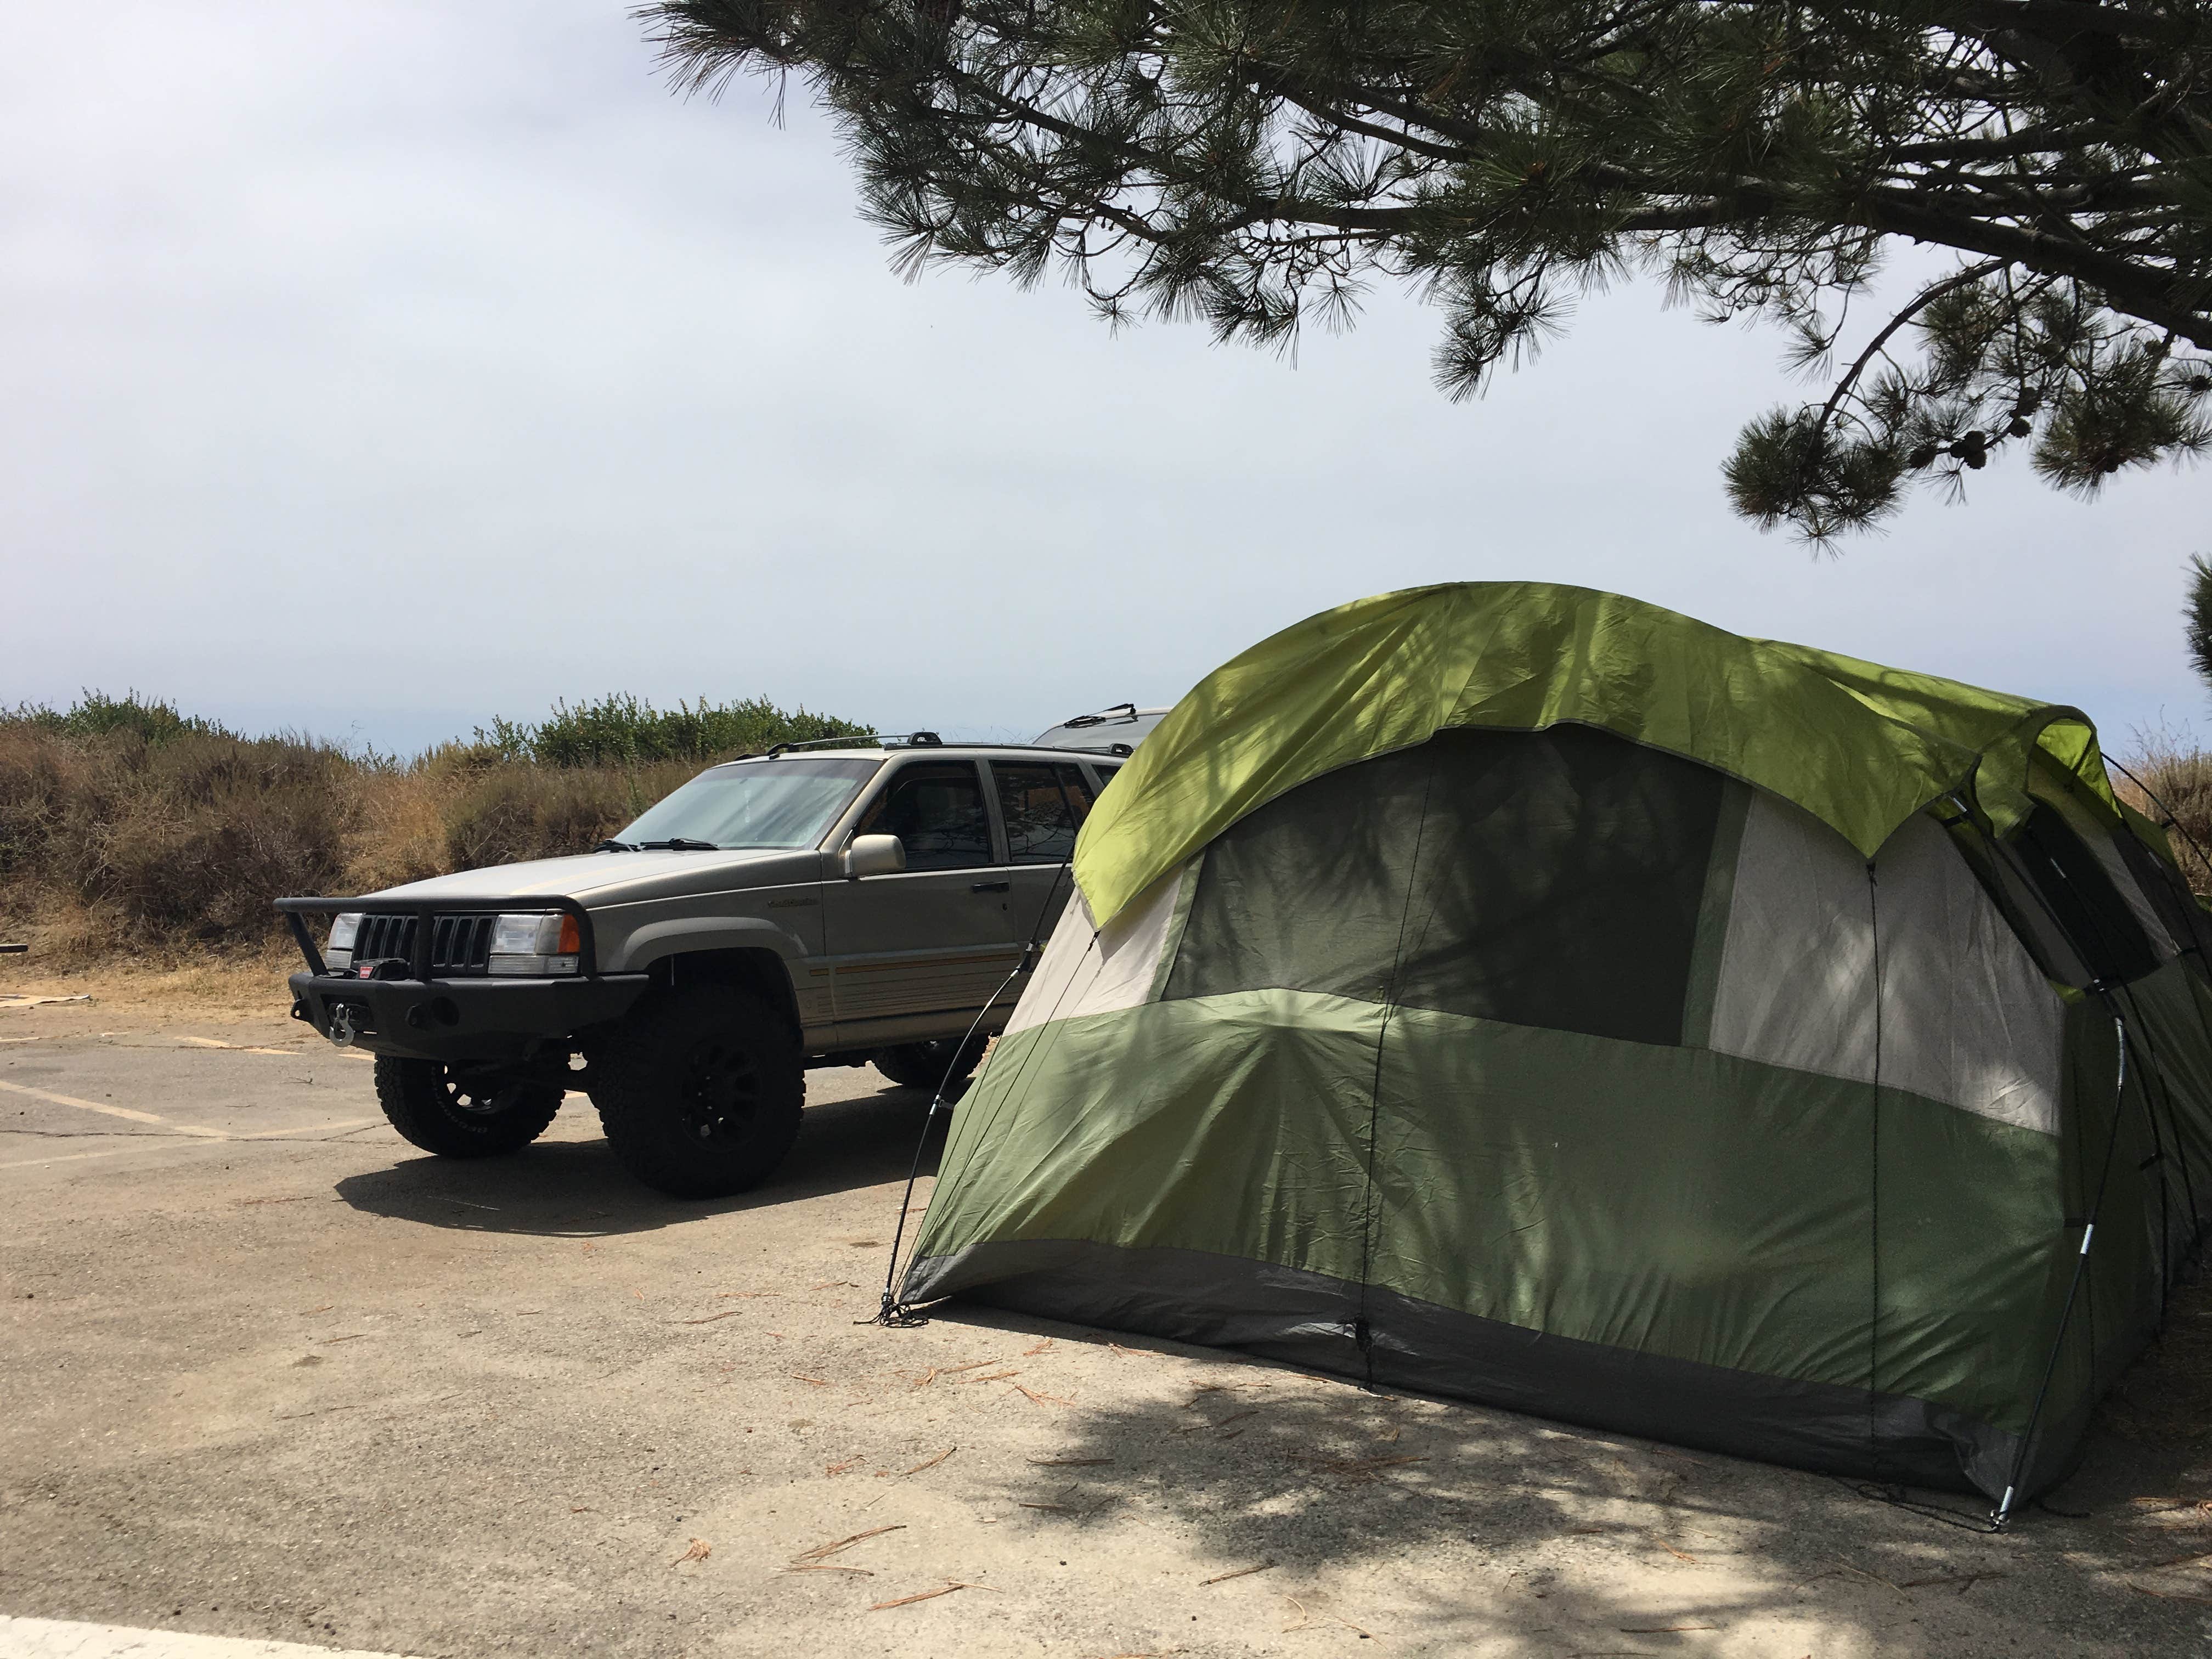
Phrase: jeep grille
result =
(458, 944)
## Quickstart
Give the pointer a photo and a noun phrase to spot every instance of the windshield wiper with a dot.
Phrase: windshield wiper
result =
(614, 847)
(677, 844)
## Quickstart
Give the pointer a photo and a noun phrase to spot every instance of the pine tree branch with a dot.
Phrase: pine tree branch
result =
(1912, 309)
(2140, 291)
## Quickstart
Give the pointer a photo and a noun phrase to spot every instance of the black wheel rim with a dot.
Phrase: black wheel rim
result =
(480, 1098)
(718, 1096)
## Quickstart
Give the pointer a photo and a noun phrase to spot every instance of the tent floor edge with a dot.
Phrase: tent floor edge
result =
(1308, 1320)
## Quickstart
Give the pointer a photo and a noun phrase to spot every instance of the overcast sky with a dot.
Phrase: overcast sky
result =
(374, 369)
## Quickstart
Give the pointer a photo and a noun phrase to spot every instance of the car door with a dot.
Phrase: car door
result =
(938, 936)
(1041, 804)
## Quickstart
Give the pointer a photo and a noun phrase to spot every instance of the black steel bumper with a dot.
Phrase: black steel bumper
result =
(461, 1019)
(479, 1017)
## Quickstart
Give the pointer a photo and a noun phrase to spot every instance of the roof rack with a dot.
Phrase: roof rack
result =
(885, 739)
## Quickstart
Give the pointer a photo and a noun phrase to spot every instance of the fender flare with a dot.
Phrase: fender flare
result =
(659, 940)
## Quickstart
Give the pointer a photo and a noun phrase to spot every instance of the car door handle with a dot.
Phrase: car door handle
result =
(990, 887)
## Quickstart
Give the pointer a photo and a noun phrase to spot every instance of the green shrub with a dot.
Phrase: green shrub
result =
(622, 730)
(95, 714)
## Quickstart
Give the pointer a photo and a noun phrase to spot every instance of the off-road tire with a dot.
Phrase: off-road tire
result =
(926, 1065)
(455, 1116)
(700, 1091)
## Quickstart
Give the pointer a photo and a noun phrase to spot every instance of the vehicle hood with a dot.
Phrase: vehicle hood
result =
(617, 878)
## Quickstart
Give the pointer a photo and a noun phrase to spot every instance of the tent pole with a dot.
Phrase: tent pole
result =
(1998, 1516)
(2003, 1510)
(892, 1312)
(1873, 1185)
(1363, 1334)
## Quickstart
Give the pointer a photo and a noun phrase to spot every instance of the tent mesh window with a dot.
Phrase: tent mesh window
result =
(2184, 918)
(2082, 900)
(1549, 878)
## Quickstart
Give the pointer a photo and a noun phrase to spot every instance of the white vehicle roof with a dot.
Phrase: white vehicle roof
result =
(1110, 731)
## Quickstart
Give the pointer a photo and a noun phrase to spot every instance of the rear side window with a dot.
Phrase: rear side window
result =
(936, 808)
(1042, 805)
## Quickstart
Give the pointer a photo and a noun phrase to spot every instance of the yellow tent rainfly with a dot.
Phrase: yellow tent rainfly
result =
(1531, 995)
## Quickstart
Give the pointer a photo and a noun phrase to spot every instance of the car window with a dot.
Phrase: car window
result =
(779, 803)
(936, 808)
(1041, 805)
(1105, 773)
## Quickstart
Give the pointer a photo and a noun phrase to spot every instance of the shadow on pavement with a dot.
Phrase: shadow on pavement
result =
(1559, 1539)
(572, 1188)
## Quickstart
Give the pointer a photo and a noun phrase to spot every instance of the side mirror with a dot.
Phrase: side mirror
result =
(874, 855)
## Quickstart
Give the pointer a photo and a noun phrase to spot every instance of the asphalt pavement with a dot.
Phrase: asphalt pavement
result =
(268, 1373)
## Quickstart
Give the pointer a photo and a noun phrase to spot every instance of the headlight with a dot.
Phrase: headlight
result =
(344, 929)
(535, 944)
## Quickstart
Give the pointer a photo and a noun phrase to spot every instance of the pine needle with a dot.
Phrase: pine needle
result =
(951, 1585)
(2168, 1596)
(1241, 1572)
(821, 1551)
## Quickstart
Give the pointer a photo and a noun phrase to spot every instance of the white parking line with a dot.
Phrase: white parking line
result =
(59, 1638)
(239, 1047)
(134, 1115)
(139, 1142)
(73, 1158)
(113, 1111)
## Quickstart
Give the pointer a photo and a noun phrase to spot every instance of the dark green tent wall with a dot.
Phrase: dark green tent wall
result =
(1528, 995)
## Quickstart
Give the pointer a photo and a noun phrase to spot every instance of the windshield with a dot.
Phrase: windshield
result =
(778, 802)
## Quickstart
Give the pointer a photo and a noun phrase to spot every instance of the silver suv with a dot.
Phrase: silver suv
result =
(819, 905)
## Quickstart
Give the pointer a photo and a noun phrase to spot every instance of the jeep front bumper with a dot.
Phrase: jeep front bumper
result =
(406, 1006)
(459, 1019)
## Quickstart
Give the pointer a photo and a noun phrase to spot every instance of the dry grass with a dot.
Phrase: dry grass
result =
(2172, 785)
(113, 847)
(215, 990)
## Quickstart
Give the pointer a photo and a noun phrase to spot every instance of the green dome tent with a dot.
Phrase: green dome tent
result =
(1528, 994)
